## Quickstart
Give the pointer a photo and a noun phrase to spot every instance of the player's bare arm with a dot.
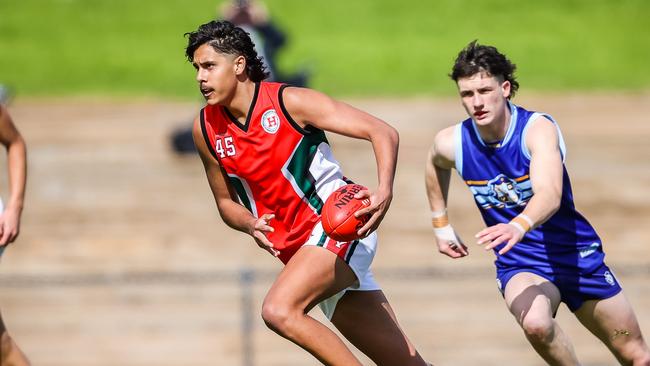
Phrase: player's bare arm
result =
(309, 107)
(437, 174)
(542, 141)
(16, 162)
(232, 212)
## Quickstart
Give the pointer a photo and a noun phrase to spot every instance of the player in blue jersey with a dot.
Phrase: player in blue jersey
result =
(546, 252)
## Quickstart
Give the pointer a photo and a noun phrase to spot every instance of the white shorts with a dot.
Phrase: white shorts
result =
(358, 254)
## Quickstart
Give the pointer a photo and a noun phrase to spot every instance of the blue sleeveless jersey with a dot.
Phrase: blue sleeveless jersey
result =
(499, 178)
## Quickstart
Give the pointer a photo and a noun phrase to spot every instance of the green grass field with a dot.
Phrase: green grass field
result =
(125, 48)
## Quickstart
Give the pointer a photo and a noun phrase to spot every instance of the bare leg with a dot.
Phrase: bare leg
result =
(312, 275)
(366, 319)
(533, 300)
(10, 354)
(613, 321)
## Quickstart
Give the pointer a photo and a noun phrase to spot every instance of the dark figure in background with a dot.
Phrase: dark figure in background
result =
(253, 17)
(5, 94)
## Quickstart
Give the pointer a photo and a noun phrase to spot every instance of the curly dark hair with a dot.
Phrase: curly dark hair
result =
(227, 38)
(477, 57)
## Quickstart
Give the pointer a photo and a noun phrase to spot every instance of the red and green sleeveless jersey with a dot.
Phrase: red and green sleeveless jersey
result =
(274, 165)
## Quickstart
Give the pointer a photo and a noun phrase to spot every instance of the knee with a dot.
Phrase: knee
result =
(642, 360)
(277, 316)
(539, 329)
(637, 353)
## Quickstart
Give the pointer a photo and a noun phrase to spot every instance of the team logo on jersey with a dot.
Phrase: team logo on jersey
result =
(501, 191)
(609, 278)
(270, 121)
(505, 190)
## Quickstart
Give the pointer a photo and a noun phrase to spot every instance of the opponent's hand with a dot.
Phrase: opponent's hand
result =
(499, 234)
(449, 243)
(9, 226)
(258, 230)
(379, 203)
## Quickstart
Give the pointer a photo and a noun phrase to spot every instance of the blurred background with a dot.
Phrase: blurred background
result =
(122, 257)
(355, 48)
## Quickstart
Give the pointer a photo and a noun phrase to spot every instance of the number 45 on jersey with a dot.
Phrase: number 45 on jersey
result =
(225, 147)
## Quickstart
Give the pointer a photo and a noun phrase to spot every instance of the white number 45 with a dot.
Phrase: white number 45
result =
(225, 147)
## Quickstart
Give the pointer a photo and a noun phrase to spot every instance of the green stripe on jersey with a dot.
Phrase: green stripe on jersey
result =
(299, 165)
(322, 240)
(245, 200)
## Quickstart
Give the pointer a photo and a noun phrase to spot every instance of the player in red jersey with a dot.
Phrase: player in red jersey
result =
(270, 169)
(10, 354)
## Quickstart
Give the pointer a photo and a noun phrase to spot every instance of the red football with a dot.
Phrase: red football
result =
(338, 211)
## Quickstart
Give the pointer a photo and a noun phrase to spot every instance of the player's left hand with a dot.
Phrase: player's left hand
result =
(498, 234)
(260, 227)
(9, 226)
(450, 244)
(379, 203)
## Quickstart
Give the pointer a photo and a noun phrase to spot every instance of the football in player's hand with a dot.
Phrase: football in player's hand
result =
(337, 216)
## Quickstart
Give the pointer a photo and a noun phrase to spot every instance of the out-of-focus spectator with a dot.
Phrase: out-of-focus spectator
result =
(253, 17)
(5, 94)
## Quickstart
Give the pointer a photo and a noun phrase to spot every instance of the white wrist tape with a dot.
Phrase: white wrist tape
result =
(445, 233)
(522, 222)
(518, 226)
(439, 219)
(436, 214)
(528, 220)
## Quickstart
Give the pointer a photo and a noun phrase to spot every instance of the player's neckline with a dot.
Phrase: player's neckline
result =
(235, 121)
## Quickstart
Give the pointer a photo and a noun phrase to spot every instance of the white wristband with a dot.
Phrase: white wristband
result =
(445, 233)
(436, 214)
(528, 220)
(523, 223)
(518, 226)
(439, 219)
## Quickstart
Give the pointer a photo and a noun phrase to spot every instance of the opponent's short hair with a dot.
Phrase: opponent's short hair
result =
(227, 38)
(476, 57)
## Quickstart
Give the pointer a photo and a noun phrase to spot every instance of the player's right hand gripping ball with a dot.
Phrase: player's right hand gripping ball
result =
(338, 211)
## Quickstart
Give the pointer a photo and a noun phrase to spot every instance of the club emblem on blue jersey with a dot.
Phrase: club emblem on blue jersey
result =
(505, 191)
(501, 191)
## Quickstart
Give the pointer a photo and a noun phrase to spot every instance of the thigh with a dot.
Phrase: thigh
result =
(367, 320)
(311, 275)
(528, 294)
(612, 320)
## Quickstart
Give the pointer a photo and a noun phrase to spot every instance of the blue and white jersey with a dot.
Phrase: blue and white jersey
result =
(499, 178)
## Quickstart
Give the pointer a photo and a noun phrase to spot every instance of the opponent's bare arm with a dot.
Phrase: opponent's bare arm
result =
(437, 174)
(17, 167)
(309, 107)
(546, 170)
(232, 212)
